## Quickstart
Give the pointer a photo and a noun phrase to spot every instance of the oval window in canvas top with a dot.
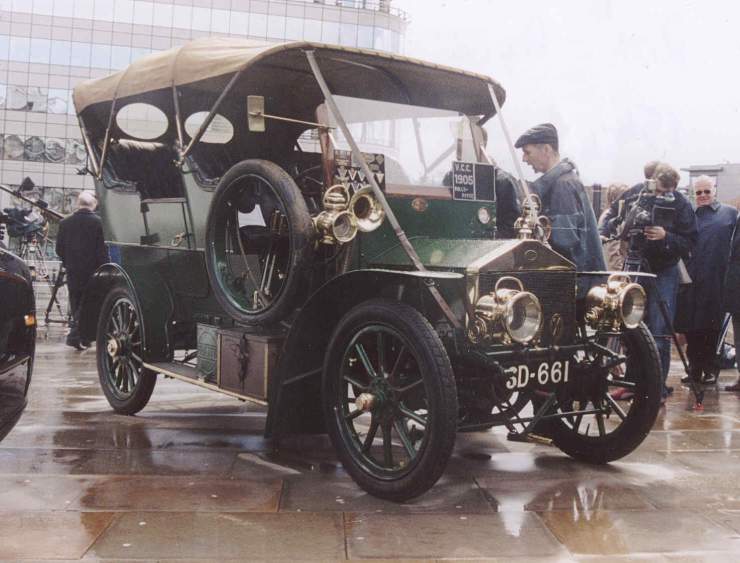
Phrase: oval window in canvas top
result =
(220, 130)
(142, 121)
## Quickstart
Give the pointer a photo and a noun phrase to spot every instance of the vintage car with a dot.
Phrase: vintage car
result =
(313, 228)
(17, 336)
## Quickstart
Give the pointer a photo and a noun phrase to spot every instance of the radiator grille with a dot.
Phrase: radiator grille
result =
(557, 294)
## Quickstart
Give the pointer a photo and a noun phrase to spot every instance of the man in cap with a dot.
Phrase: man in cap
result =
(564, 201)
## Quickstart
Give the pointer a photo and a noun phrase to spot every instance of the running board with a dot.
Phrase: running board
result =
(190, 375)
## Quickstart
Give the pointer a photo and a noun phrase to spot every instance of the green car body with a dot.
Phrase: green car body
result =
(236, 267)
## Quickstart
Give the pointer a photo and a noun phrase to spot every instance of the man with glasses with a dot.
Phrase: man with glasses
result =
(699, 314)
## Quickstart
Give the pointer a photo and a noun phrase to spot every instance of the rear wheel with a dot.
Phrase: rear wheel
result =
(616, 426)
(390, 399)
(126, 383)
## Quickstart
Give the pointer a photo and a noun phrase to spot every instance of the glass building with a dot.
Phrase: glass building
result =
(48, 46)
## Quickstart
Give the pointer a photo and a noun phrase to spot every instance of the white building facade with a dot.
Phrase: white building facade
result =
(48, 46)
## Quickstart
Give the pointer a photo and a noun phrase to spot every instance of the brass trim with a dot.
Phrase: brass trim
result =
(203, 384)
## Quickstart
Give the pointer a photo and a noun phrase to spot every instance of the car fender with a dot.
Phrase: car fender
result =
(155, 299)
(295, 392)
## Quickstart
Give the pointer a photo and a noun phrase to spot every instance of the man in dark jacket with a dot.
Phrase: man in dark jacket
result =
(732, 296)
(81, 247)
(661, 250)
(699, 313)
(564, 201)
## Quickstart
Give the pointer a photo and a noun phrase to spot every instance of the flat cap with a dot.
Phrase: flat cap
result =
(544, 133)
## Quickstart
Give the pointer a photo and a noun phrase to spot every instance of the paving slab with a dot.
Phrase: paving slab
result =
(192, 494)
(447, 536)
(540, 495)
(292, 536)
(659, 531)
(40, 492)
(327, 493)
(51, 535)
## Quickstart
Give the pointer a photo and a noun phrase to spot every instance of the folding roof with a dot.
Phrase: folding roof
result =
(208, 63)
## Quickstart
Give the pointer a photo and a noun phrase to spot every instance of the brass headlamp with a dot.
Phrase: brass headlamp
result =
(507, 315)
(618, 302)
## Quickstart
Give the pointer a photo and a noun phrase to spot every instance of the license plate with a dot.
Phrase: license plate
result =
(545, 373)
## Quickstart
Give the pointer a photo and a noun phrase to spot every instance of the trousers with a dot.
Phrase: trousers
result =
(662, 289)
(702, 352)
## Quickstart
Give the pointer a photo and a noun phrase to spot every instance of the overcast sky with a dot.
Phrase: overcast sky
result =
(624, 81)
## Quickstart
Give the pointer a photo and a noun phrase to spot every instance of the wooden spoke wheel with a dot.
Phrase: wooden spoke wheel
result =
(616, 405)
(127, 384)
(390, 399)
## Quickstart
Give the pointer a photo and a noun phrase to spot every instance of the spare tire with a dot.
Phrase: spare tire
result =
(259, 241)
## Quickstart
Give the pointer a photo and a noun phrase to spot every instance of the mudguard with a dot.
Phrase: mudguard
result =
(295, 392)
(151, 295)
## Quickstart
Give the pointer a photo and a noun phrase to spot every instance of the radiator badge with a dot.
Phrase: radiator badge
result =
(530, 255)
(556, 327)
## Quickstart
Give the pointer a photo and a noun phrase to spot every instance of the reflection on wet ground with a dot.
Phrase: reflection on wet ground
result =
(191, 477)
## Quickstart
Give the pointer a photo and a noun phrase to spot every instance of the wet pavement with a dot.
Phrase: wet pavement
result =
(191, 477)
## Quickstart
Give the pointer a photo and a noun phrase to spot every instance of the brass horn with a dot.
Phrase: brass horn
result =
(367, 210)
(336, 223)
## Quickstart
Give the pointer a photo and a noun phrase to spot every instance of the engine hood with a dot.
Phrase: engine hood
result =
(474, 256)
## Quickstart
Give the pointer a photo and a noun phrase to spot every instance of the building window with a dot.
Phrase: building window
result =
(61, 52)
(20, 49)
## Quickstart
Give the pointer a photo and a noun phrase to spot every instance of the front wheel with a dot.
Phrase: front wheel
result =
(610, 426)
(390, 399)
(126, 383)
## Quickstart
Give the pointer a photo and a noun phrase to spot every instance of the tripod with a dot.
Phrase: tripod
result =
(54, 300)
(635, 263)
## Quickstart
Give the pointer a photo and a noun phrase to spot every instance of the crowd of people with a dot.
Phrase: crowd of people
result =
(692, 251)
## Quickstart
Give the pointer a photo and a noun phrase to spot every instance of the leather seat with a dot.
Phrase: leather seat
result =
(150, 166)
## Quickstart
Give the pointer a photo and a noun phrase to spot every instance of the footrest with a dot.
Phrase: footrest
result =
(531, 438)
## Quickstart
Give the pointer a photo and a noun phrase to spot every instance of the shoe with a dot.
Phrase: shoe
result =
(669, 390)
(622, 394)
(686, 379)
(734, 387)
(74, 344)
(710, 379)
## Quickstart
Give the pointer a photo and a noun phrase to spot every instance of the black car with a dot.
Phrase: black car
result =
(17, 338)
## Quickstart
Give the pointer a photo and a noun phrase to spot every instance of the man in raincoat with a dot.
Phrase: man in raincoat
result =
(564, 201)
(699, 313)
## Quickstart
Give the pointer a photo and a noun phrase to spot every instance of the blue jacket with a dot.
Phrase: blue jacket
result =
(574, 232)
(700, 303)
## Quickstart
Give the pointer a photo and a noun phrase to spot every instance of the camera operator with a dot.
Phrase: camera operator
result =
(660, 226)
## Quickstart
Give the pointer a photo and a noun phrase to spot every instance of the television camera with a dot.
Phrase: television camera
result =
(651, 208)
